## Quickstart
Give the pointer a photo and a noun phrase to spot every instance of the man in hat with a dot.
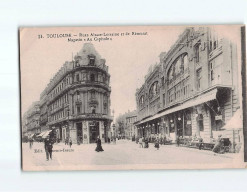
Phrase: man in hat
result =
(48, 148)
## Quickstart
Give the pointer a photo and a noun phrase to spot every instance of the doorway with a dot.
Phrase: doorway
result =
(79, 133)
(93, 131)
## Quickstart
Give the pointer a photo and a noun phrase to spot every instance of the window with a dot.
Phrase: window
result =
(215, 70)
(185, 62)
(78, 109)
(153, 91)
(162, 81)
(215, 44)
(92, 94)
(164, 99)
(91, 61)
(78, 95)
(199, 78)
(92, 78)
(141, 102)
(197, 52)
(77, 78)
(93, 109)
(84, 76)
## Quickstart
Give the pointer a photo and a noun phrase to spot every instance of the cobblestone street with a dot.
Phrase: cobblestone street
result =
(123, 153)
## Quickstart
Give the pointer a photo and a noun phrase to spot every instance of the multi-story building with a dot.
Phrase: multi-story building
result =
(131, 131)
(32, 119)
(43, 111)
(125, 125)
(24, 125)
(193, 90)
(78, 98)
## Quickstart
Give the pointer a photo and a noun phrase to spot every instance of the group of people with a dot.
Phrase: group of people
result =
(68, 141)
(144, 142)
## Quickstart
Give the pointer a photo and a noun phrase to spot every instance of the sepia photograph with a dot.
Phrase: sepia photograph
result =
(131, 97)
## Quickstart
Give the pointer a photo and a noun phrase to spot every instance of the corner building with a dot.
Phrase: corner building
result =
(193, 90)
(78, 98)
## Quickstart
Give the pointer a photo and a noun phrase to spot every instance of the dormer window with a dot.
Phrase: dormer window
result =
(91, 60)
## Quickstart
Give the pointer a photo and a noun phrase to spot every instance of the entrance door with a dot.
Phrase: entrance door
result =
(79, 133)
(93, 131)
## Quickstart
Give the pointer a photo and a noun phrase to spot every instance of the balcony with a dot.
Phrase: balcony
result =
(97, 83)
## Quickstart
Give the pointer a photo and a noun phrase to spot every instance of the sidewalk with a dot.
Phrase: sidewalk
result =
(209, 152)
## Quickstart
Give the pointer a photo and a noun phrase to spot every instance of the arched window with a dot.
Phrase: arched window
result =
(153, 91)
(185, 61)
(141, 101)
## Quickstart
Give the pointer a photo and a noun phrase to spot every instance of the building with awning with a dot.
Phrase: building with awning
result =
(193, 91)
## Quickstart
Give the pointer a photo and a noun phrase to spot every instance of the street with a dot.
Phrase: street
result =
(123, 153)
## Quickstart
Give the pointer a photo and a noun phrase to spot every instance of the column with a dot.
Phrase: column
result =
(175, 124)
(85, 132)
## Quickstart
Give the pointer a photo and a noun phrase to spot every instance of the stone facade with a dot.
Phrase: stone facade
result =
(197, 88)
(76, 102)
(31, 120)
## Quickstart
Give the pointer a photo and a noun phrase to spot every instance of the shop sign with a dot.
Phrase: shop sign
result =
(188, 122)
(219, 117)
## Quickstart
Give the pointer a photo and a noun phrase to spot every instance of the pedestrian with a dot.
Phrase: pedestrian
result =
(140, 142)
(48, 148)
(70, 142)
(200, 143)
(146, 143)
(164, 140)
(143, 141)
(178, 141)
(156, 143)
(30, 143)
(99, 147)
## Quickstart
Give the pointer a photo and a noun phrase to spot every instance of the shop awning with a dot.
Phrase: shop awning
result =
(41, 134)
(192, 102)
(236, 122)
(46, 134)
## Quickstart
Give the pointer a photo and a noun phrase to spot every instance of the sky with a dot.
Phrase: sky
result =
(128, 58)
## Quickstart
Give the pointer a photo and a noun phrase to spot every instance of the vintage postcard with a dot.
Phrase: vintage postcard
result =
(131, 97)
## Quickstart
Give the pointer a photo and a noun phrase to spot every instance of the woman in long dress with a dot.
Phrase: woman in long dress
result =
(156, 143)
(99, 147)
